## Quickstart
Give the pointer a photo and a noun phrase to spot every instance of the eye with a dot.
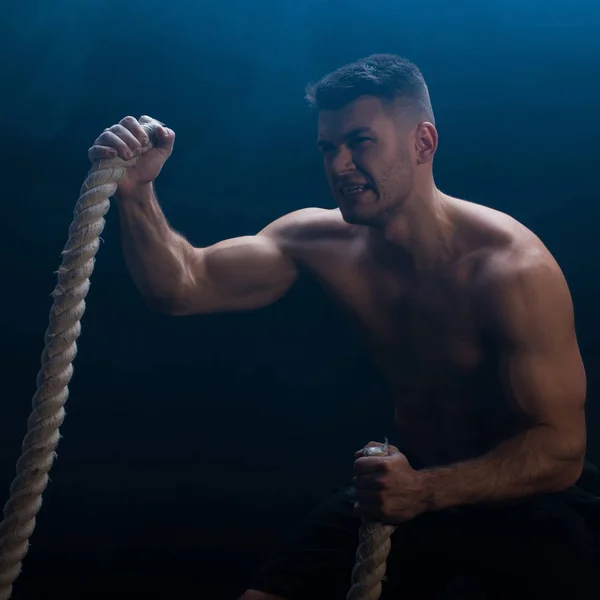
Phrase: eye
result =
(361, 141)
(326, 148)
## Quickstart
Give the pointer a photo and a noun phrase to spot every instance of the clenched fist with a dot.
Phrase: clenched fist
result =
(126, 139)
(388, 490)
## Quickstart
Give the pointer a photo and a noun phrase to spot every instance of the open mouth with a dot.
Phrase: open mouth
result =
(351, 190)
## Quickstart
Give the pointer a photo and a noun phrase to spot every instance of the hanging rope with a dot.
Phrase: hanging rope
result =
(41, 440)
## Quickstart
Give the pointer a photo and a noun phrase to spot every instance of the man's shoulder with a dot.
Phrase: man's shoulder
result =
(517, 280)
(505, 247)
(511, 261)
(308, 225)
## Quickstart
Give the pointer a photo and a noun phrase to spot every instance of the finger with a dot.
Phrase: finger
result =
(367, 482)
(165, 138)
(119, 138)
(133, 126)
(368, 499)
(128, 137)
(370, 465)
(96, 153)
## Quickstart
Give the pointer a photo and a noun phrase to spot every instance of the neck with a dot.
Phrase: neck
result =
(422, 228)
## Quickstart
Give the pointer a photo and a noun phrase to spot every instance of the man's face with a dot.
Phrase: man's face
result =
(367, 160)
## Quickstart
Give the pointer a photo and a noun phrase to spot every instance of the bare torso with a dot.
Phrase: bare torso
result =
(426, 331)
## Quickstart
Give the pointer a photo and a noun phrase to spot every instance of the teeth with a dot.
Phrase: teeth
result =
(354, 189)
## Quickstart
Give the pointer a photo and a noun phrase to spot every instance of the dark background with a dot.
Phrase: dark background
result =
(191, 445)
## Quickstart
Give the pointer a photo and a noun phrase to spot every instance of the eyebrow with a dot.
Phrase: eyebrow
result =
(353, 133)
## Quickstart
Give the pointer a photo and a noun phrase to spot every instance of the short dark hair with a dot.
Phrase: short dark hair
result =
(386, 76)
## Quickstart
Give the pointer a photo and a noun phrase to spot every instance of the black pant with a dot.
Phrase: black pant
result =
(540, 547)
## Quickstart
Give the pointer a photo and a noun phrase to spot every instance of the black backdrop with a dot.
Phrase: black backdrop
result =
(191, 445)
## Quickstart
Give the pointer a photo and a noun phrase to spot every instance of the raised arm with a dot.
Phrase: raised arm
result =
(174, 277)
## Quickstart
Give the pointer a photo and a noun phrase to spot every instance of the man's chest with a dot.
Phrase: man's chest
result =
(425, 327)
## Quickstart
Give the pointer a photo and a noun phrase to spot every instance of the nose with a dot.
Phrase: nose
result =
(342, 161)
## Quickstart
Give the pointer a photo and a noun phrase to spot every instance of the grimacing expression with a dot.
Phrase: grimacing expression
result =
(366, 160)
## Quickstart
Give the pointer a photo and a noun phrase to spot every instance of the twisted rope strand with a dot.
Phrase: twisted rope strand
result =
(64, 328)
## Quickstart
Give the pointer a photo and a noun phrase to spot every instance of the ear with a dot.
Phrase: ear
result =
(426, 142)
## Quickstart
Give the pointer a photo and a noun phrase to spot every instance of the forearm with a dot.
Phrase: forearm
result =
(155, 255)
(528, 464)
